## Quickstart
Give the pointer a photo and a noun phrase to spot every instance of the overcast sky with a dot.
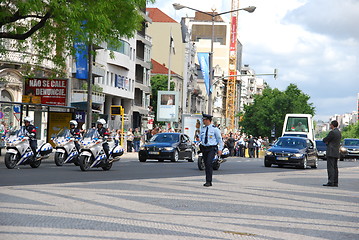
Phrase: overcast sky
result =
(313, 43)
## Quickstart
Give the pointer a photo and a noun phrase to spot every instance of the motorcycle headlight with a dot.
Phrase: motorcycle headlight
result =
(298, 155)
(269, 153)
(168, 148)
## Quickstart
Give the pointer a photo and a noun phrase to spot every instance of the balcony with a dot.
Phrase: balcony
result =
(79, 96)
(98, 70)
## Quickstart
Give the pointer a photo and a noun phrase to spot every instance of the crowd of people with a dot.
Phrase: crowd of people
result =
(241, 145)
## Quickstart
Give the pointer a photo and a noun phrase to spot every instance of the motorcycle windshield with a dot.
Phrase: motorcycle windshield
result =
(92, 134)
(64, 133)
(17, 132)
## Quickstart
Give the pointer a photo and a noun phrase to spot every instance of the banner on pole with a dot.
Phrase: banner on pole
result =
(81, 60)
(203, 59)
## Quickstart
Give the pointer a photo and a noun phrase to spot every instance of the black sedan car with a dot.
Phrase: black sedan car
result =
(322, 149)
(349, 148)
(173, 146)
(295, 151)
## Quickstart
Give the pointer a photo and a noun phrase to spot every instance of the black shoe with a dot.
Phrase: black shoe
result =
(207, 184)
(330, 185)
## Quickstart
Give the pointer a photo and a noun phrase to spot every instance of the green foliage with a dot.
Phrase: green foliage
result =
(270, 108)
(54, 25)
(351, 131)
(322, 135)
(95, 87)
(159, 83)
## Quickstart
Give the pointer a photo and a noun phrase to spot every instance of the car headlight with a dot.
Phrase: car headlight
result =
(343, 149)
(298, 155)
(168, 148)
(142, 148)
(269, 153)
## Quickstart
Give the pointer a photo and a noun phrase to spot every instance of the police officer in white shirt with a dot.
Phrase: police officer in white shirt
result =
(211, 144)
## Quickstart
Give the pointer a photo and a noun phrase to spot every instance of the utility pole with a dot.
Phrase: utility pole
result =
(89, 88)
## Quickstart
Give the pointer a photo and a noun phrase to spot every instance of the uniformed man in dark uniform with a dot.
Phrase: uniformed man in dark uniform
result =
(75, 132)
(211, 144)
(31, 133)
(102, 131)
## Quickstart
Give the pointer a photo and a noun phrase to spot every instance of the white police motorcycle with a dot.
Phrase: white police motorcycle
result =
(66, 151)
(19, 152)
(217, 160)
(92, 153)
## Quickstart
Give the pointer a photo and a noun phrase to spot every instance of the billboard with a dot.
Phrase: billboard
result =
(167, 106)
(57, 121)
(51, 91)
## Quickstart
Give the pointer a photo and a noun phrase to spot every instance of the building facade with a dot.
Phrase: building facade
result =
(173, 51)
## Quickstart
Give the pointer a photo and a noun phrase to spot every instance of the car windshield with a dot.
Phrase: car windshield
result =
(65, 132)
(165, 138)
(291, 143)
(351, 142)
(91, 133)
(297, 124)
(320, 143)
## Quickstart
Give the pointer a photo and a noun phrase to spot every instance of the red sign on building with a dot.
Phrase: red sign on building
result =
(51, 91)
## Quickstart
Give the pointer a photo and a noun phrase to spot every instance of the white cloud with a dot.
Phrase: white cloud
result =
(314, 44)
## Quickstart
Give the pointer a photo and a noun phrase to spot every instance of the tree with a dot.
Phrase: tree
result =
(159, 83)
(351, 131)
(269, 110)
(58, 24)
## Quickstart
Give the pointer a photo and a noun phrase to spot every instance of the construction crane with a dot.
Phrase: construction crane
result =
(232, 79)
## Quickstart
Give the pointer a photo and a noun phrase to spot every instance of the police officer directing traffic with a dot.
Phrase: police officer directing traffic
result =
(211, 144)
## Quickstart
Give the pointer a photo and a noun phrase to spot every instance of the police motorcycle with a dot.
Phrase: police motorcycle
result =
(19, 152)
(92, 153)
(217, 160)
(66, 151)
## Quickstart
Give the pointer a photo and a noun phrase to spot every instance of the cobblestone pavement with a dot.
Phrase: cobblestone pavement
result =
(269, 204)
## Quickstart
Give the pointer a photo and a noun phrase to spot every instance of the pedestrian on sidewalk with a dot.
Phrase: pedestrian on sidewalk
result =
(130, 136)
(136, 139)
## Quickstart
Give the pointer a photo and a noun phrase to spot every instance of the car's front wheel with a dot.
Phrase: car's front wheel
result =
(267, 164)
(174, 156)
(304, 163)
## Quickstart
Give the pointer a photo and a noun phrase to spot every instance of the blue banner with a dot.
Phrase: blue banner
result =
(116, 81)
(81, 60)
(203, 59)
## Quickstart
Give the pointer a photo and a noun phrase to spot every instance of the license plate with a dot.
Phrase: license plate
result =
(282, 158)
(154, 153)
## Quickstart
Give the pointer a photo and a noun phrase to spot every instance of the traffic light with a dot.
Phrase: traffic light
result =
(117, 110)
(275, 73)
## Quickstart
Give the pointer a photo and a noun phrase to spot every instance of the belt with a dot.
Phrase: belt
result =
(205, 147)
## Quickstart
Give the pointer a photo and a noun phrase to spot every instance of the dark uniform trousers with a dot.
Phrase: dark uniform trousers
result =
(208, 156)
(332, 169)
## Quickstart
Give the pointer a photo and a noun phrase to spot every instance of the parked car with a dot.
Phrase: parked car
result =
(295, 151)
(322, 149)
(349, 148)
(173, 146)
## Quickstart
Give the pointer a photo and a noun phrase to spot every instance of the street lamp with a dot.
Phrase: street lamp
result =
(178, 6)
